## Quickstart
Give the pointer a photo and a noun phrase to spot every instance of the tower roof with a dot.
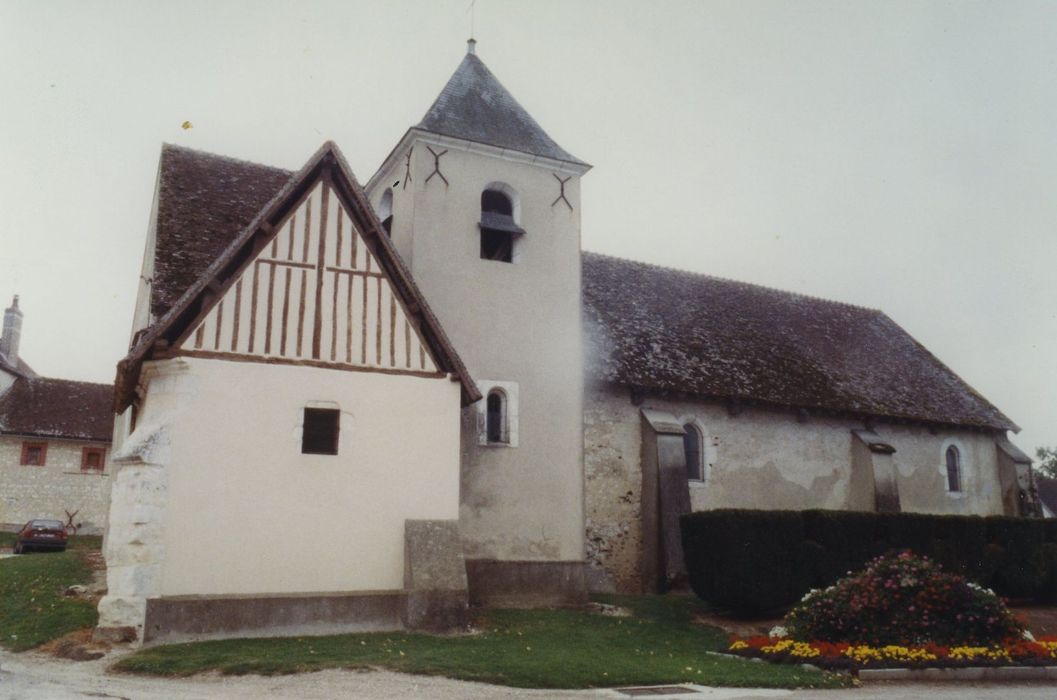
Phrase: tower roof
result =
(475, 106)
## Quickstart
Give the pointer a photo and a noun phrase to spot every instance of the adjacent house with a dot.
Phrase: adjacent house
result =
(54, 442)
(352, 407)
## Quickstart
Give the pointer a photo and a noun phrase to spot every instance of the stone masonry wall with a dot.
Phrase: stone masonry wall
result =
(28, 492)
(761, 458)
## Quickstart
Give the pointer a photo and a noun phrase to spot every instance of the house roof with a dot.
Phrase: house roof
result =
(57, 408)
(204, 201)
(661, 329)
(475, 106)
(211, 278)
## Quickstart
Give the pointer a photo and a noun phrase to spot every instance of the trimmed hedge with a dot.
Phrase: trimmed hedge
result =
(756, 561)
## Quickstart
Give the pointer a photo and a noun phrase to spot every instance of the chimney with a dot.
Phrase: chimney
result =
(12, 332)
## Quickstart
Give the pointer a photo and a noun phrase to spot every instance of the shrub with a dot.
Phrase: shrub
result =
(1021, 569)
(903, 599)
(749, 564)
(753, 561)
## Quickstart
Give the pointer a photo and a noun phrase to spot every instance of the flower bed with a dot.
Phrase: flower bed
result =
(1025, 652)
(901, 611)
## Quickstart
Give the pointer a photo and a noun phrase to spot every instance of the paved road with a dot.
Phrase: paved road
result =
(37, 677)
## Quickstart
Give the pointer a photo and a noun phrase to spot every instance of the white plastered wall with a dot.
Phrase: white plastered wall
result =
(511, 322)
(246, 513)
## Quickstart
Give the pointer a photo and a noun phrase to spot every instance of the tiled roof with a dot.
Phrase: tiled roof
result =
(661, 329)
(204, 201)
(475, 106)
(648, 327)
(57, 408)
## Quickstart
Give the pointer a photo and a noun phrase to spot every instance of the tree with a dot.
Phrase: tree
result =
(1047, 465)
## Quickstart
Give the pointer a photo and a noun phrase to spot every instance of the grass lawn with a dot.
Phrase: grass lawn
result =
(32, 608)
(523, 648)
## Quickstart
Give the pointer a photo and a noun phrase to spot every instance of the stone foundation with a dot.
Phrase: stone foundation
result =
(526, 584)
(197, 617)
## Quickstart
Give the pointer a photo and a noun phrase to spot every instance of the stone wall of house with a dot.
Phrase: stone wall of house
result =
(49, 491)
(762, 458)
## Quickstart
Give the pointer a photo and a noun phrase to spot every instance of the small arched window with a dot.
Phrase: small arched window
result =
(954, 469)
(695, 466)
(495, 421)
(498, 229)
(385, 210)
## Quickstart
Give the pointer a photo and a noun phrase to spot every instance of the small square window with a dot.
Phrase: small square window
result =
(34, 454)
(320, 434)
(92, 459)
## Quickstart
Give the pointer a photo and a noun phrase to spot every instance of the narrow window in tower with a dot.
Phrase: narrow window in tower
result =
(385, 211)
(496, 417)
(498, 230)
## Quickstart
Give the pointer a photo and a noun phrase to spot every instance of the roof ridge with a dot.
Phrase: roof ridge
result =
(219, 156)
(740, 283)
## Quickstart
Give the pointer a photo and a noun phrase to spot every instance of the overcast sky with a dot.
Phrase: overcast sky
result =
(896, 155)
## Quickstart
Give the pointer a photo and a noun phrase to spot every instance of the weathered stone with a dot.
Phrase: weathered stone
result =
(433, 558)
(434, 576)
(763, 458)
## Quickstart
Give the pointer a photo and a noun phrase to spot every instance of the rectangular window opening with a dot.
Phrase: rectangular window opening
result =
(92, 459)
(34, 454)
(320, 433)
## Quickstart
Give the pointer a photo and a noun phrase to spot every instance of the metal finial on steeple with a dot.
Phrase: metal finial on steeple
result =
(471, 45)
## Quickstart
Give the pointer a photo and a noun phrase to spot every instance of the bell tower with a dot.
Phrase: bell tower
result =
(484, 207)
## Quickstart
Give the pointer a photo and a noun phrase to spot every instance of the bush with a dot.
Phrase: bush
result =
(753, 561)
(903, 599)
(747, 564)
(1021, 572)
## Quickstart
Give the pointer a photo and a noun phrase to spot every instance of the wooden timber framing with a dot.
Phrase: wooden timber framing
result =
(327, 174)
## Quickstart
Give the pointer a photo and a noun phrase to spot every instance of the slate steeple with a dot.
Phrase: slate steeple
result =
(475, 106)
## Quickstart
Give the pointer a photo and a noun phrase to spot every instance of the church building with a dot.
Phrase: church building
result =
(369, 407)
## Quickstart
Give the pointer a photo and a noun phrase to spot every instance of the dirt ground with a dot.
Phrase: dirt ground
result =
(34, 676)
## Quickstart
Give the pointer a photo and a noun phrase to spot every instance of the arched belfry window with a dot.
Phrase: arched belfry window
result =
(692, 444)
(496, 417)
(497, 413)
(954, 469)
(385, 210)
(499, 230)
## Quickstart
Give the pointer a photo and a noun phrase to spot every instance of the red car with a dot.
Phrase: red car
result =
(41, 534)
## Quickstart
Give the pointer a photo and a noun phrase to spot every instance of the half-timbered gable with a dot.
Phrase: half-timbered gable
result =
(312, 280)
(315, 294)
